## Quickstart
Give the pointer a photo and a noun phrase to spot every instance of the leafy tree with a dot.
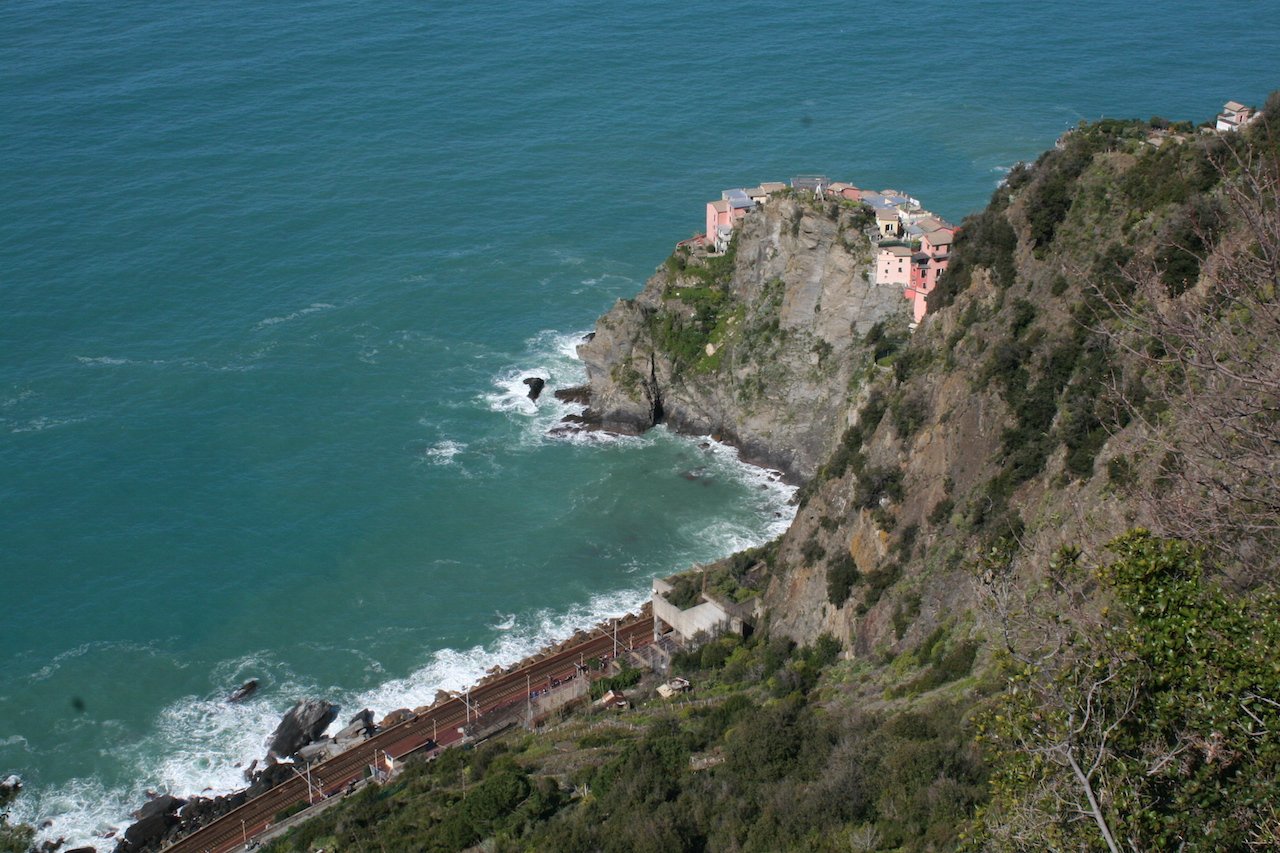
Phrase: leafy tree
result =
(1156, 728)
(1205, 362)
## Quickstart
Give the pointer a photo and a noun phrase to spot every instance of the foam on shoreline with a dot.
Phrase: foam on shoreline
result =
(200, 746)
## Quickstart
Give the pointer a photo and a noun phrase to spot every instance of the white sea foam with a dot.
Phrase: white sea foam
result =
(104, 359)
(15, 740)
(293, 315)
(442, 452)
(42, 423)
(196, 746)
(455, 669)
(552, 357)
(23, 395)
(723, 460)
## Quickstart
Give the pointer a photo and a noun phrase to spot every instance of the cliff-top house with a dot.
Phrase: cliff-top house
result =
(927, 264)
(722, 215)
(1234, 116)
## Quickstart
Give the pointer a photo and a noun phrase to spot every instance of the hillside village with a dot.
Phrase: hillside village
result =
(912, 245)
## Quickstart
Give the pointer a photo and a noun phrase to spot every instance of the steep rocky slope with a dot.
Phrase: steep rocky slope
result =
(1101, 354)
(1044, 402)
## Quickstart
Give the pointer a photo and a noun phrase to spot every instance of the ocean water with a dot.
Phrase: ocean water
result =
(273, 274)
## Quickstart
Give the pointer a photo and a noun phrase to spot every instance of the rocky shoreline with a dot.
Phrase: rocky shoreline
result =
(297, 742)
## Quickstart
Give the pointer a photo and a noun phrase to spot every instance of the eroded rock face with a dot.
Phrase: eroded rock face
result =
(303, 724)
(774, 378)
(267, 778)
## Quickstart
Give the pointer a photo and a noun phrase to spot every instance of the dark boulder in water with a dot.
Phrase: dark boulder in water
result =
(166, 804)
(244, 691)
(146, 832)
(303, 724)
(536, 384)
(577, 394)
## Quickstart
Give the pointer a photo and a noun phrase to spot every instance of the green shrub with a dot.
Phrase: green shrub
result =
(878, 582)
(909, 415)
(686, 590)
(942, 510)
(842, 574)
(812, 551)
(628, 677)
(905, 613)
(877, 483)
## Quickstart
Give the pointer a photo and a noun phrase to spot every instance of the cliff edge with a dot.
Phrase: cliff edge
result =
(761, 346)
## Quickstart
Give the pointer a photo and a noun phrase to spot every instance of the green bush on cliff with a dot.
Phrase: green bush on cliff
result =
(1160, 727)
(842, 574)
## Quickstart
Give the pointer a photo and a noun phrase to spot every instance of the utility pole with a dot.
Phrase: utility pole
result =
(307, 779)
(466, 700)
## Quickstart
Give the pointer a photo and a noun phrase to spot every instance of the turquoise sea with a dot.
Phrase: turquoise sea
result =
(273, 273)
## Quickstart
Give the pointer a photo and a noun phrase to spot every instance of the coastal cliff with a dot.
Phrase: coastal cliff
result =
(1023, 415)
(762, 346)
(952, 628)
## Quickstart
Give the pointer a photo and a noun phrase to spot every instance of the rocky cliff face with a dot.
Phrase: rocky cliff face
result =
(1100, 355)
(762, 347)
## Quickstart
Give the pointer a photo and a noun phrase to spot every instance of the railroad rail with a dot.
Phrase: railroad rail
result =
(443, 722)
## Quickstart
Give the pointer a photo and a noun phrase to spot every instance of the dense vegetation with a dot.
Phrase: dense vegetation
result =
(1156, 727)
(769, 754)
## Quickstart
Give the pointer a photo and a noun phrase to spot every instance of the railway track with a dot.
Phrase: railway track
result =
(441, 723)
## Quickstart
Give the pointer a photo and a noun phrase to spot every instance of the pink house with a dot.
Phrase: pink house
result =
(719, 216)
(927, 266)
(724, 214)
(842, 190)
(893, 265)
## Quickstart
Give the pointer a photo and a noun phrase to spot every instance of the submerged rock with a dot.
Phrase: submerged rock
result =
(244, 691)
